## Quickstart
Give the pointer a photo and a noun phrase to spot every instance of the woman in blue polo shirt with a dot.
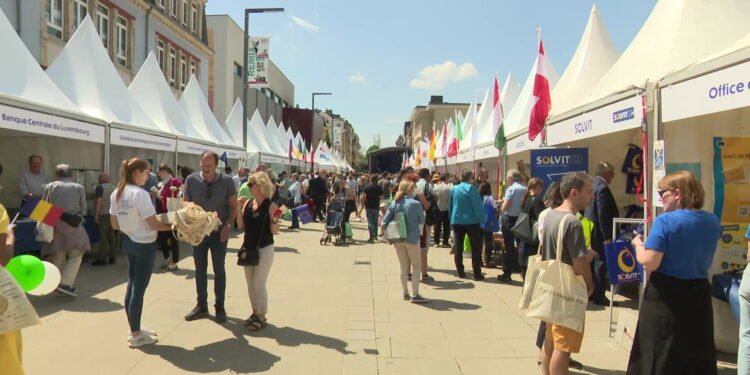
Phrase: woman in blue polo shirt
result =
(675, 332)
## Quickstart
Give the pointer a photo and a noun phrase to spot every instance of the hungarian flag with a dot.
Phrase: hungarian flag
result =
(459, 133)
(497, 118)
(431, 152)
(543, 102)
(452, 147)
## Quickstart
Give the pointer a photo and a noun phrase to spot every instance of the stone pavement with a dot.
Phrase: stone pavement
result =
(333, 310)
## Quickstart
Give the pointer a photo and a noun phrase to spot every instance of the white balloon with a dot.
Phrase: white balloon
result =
(51, 280)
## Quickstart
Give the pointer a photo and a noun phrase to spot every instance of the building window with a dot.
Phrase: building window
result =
(174, 8)
(122, 41)
(183, 72)
(193, 69)
(80, 9)
(172, 68)
(238, 69)
(184, 12)
(54, 14)
(161, 4)
(194, 26)
(160, 54)
(102, 23)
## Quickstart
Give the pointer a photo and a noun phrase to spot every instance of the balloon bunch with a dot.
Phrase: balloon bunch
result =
(33, 275)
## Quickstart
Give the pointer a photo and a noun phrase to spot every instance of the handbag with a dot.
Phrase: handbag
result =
(249, 257)
(560, 296)
(523, 229)
(395, 231)
(44, 232)
(532, 267)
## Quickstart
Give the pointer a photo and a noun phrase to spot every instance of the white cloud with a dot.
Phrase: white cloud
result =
(304, 23)
(436, 76)
(359, 77)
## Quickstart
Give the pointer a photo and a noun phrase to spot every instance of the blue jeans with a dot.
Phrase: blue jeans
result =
(295, 219)
(743, 353)
(200, 256)
(140, 265)
(372, 222)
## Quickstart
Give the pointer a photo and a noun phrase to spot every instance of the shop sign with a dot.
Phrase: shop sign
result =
(722, 90)
(46, 124)
(187, 147)
(615, 117)
(232, 153)
(487, 152)
(522, 143)
(273, 159)
(551, 164)
(128, 138)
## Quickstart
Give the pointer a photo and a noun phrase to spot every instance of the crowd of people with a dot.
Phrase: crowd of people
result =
(426, 209)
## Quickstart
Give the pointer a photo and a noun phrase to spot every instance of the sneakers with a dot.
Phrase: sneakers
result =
(406, 296)
(166, 262)
(172, 266)
(419, 299)
(143, 330)
(221, 315)
(142, 339)
(196, 313)
(427, 278)
(68, 290)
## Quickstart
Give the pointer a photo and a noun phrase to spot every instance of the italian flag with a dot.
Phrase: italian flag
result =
(455, 137)
(497, 118)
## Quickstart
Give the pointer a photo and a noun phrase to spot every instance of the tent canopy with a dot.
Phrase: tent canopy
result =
(201, 118)
(594, 56)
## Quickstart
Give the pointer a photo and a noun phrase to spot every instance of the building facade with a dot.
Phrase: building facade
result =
(426, 118)
(308, 123)
(173, 29)
(344, 140)
(227, 40)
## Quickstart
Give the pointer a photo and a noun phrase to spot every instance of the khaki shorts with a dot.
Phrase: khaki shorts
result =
(564, 339)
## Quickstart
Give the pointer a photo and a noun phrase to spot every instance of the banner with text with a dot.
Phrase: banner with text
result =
(257, 62)
(188, 147)
(615, 117)
(551, 164)
(55, 126)
(722, 90)
(522, 143)
(122, 137)
(732, 200)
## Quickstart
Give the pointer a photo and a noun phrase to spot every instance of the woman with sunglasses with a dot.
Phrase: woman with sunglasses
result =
(256, 216)
(675, 332)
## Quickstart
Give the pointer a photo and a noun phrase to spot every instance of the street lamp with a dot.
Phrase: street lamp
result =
(318, 93)
(244, 75)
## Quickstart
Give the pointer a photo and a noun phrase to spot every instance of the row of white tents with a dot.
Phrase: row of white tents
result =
(81, 113)
(607, 101)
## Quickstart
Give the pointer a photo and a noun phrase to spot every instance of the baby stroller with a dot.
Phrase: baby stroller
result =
(334, 223)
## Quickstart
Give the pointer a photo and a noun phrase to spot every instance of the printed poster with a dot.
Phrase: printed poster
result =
(660, 170)
(257, 61)
(551, 164)
(732, 199)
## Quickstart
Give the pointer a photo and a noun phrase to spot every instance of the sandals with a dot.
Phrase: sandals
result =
(254, 323)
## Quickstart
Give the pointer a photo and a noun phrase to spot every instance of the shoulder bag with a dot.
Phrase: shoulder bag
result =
(395, 231)
(559, 296)
(523, 229)
(250, 257)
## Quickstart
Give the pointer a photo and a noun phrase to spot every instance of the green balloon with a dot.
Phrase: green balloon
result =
(28, 271)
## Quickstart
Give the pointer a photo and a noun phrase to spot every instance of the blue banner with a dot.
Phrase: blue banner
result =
(622, 266)
(553, 163)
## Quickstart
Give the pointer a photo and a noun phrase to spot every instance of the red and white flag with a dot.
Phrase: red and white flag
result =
(444, 149)
(543, 102)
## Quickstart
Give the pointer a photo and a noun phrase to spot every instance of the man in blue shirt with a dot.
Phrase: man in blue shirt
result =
(511, 209)
(466, 212)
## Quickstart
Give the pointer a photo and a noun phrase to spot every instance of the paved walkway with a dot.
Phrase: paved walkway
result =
(333, 310)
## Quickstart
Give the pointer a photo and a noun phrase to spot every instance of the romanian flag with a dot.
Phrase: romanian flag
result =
(42, 211)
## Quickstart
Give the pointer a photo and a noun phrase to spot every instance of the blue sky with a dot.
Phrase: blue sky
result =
(370, 54)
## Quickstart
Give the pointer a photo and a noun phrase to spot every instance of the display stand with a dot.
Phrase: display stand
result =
(615, 223)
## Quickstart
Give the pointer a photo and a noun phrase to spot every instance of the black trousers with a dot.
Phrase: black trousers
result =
(599, 273)
(320, 206)
(675, 332)
(442, 227)
(489, 245)
(475, 239)
(510, 258)
(168, 245)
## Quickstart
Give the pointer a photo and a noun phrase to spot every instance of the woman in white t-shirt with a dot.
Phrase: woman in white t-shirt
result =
(133, 213)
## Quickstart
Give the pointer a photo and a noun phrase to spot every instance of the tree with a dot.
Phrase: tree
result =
(373, 148)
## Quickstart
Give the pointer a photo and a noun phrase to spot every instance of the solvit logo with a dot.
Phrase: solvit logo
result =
(559, 159)
(624, 115)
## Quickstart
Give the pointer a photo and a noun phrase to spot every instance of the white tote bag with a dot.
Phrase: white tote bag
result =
(532, 268)
(44, 232)
(559, 296)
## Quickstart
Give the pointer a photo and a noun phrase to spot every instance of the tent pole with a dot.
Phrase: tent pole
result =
(107, 145)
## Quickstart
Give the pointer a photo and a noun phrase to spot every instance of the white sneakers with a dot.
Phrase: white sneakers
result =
(146, 337)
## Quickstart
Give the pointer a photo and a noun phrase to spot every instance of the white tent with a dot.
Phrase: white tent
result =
(39, 118)
(84, 72)
(257, 137)
(676, 34)
(274, 140)
(234, 127)
(466, 127)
